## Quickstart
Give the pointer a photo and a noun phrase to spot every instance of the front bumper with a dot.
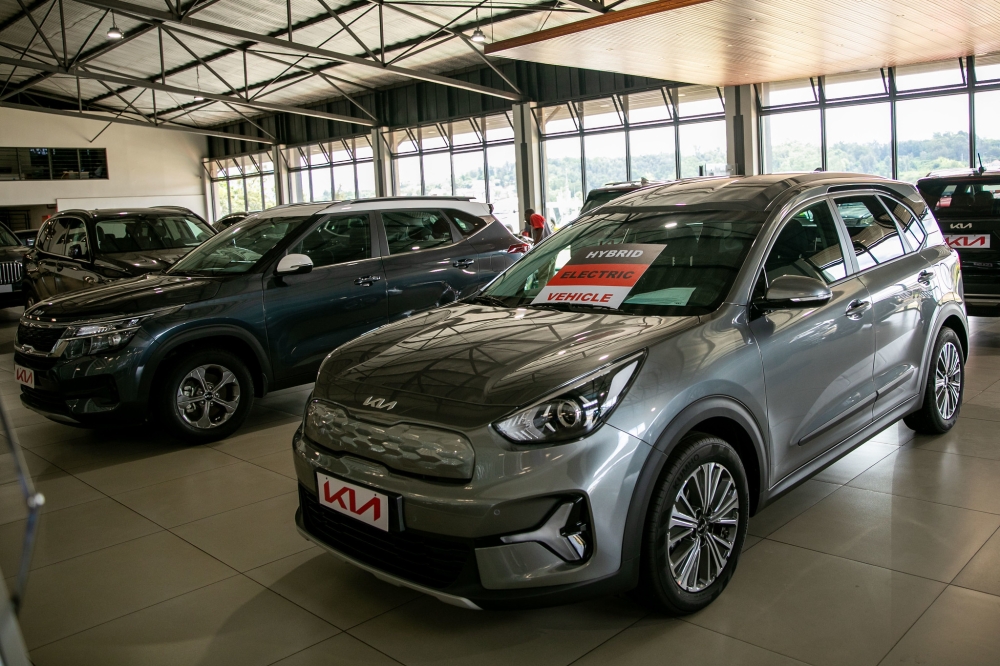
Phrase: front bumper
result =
(452, 544)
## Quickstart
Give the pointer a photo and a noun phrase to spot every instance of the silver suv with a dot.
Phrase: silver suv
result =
(609, 412)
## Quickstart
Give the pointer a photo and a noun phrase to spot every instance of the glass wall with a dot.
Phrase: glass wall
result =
(331, 170)
(661, 134)
(244, 183)
(900, 122)
(472, 157)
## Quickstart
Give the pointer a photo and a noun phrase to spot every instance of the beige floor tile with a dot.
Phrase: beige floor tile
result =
(790, 505)
(897, 434)
(983, 571)
(429, 632)
(341, 650)
(946, 478)
(263, 416)
(969, 437)
(85, 591)
(899, 533)
(247, 445)
(959, 628)
(986, 399)
(36, 466)
(50, 432)
(340, 593)
(855, 462)
(197, 496)
(974, 411)
(60, 490)
(293, 402)
(233, 622)
(250, 536)
(649, 640)
(281, 462)
(821, 609)
(74, 531)
(119, 478)
(750, 542)
(23, 417)
(105, 449)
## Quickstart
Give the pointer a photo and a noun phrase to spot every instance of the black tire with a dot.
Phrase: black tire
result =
(933, 418)
(194, 425)
(657, 585)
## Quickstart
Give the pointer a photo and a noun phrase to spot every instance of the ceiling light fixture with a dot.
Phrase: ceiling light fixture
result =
(478, 36)
(113, 31)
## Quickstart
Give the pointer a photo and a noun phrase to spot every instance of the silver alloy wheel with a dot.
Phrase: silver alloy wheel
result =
(948, 380)
(208, 396)
(703, 526)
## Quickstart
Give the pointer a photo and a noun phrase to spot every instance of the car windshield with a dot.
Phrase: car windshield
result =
(696, 257)
(238, 248)
(139, 233)
(597, 198)
(957, 198)
(7, 239)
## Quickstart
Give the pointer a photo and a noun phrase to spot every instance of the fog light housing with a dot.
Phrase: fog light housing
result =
(566, 532)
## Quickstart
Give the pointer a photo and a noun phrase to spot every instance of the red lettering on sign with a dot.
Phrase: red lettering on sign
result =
(338, 497)
(24, 375)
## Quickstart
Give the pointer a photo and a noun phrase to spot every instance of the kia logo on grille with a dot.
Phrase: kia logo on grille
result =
(967, 225)
(379, 403)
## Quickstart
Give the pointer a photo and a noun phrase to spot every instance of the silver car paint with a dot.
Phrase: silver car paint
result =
(721, 361)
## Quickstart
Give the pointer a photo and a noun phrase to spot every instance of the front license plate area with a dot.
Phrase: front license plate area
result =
(24, 376)
(380, 510)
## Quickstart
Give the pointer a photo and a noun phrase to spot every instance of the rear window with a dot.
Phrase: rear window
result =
(597, 198)
(962, 198)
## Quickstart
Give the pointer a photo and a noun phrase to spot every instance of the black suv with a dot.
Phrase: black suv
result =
(256, 308)
(77, 249)
(11, 256)
(967, 205)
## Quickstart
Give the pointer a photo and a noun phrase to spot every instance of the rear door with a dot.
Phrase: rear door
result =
(308, 316)
(428, 262)
(490, 238)
(897, 278)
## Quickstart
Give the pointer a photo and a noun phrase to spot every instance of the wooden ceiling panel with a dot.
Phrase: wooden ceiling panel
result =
(729, 42)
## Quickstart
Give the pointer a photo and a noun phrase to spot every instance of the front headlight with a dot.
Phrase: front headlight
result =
(574, 411)
(87, 338)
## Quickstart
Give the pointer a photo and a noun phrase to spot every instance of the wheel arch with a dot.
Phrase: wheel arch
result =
(231, 338)
(953, 317)
(721, 416)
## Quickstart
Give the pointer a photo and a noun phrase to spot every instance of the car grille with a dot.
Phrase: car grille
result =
(10, 272)
(422, 559)
(40, 338)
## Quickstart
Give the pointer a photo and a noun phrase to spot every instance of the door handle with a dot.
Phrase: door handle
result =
(925, 277)
(463, 263)
(857, 308)
(367, 280)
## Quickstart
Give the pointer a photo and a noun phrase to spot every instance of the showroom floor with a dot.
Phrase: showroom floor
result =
(154, 553)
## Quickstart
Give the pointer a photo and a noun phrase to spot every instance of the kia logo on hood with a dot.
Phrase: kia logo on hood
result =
(379, 403)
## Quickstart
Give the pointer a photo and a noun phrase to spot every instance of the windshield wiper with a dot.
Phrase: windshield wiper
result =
(486, 299)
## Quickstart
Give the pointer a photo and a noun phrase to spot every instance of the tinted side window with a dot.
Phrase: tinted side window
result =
(873, 232)
(808, 245)
(45, 234)
(411, 230)
(911, 227)
(467, 223)
(337, 241)
(68, 238)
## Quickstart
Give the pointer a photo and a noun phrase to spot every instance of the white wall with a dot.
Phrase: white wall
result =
(146, 166)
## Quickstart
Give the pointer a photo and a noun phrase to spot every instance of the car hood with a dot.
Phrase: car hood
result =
(13, 252)
(464, 362)
(146, 261)
(126, 297)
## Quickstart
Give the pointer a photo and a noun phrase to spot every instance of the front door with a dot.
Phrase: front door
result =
(897, 278)
(429, 264)
(817, 360)
(308, 316)
(70, 256)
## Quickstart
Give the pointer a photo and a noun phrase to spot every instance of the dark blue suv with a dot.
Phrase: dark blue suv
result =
(253, 309)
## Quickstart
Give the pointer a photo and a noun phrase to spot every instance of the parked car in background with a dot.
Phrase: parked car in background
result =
(967, 205)
(229, 220)
(602, 195)
(594, 420)
(12, 253)
(78, 249)
(27, 236)
(254, 309)
(182, 209)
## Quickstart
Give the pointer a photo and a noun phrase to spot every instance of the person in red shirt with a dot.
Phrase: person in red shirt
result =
(535, 225)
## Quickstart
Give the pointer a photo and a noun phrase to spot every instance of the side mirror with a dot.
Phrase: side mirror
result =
(294, 264)
(796, 291)
(76, 252)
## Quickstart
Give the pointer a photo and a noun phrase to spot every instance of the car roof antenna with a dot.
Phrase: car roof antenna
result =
(981, 167)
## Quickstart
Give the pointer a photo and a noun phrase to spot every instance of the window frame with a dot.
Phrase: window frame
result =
(374, 250)
(456, 236)
(854, 257)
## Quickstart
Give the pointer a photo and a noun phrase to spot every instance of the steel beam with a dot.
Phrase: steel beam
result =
(168, 17)
(136, 123)
(140, 83)
(587, 5)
